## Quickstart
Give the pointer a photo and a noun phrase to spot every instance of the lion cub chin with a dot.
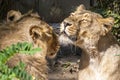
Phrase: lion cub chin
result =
(91, 32)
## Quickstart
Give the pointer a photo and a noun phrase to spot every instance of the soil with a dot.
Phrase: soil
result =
(66, 64)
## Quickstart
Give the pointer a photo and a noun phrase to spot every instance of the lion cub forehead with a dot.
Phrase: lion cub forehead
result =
(86, 13)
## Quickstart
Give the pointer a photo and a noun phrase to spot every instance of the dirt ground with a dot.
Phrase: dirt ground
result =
(65, 66)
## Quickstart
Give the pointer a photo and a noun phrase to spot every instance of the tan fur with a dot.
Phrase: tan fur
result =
(91, 32)
(30, 29)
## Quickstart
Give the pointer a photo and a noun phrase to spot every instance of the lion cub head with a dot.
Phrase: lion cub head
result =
(33, 30)
(83, 26)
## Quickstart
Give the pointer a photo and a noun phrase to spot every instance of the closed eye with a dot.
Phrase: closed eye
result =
(67, 24)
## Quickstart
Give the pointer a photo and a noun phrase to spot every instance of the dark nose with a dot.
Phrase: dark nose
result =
(67, 24)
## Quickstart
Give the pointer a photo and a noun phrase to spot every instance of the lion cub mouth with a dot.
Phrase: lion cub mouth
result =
(64, 39)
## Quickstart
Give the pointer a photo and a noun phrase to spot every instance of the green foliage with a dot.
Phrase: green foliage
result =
(18, 72)
(110, 8)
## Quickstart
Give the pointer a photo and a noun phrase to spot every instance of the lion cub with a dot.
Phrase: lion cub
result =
(91, 32)
(32, 29)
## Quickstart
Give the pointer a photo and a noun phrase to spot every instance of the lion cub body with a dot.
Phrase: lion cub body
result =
(30, 29)
(91, 32)
(106, 66)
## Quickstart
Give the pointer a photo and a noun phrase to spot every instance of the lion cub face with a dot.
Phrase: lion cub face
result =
(84, 26)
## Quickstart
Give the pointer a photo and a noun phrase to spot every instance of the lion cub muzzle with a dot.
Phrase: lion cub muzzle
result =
(68, 30)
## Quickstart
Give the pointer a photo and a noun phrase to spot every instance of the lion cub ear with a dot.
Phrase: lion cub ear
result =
(107, 25)
(13, 16)
(35, 32)
(81, 7)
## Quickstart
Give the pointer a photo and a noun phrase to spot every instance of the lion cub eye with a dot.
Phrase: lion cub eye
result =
(67, 24)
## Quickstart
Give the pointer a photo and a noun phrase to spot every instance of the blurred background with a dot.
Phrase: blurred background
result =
(49, 10)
